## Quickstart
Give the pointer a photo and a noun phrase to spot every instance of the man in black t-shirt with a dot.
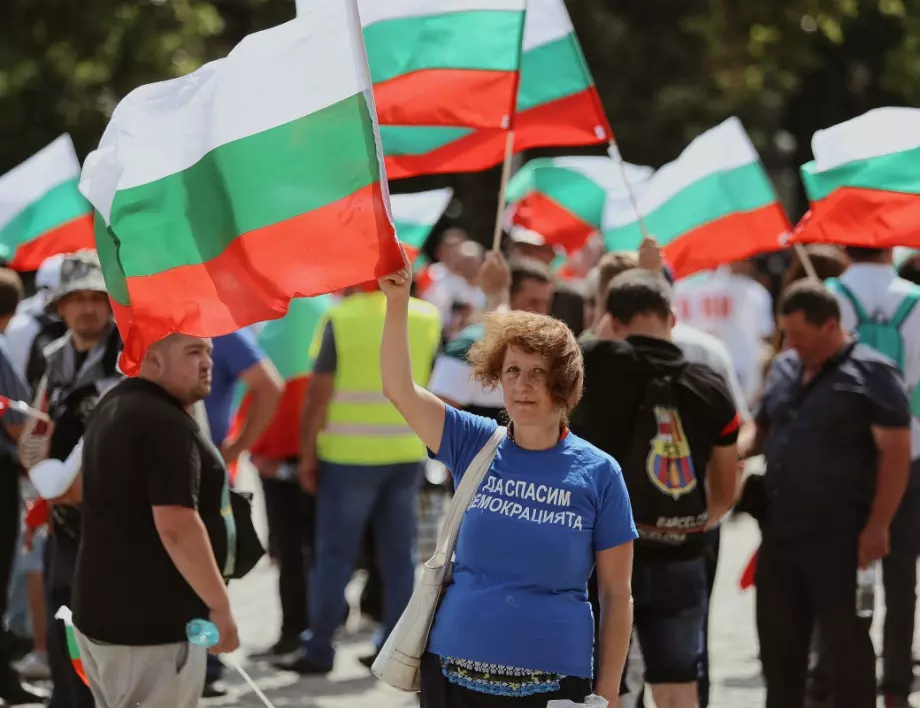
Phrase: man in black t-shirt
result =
(158, 533)
(693, 454)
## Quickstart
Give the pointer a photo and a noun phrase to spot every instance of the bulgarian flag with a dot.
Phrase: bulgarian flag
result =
(864, 183)
(444, 62)
(713, 205)
(557, 105)
(42, 212)
(563, 198)
(286, 342)
(415, 215)
(224, 194)
(65, 615)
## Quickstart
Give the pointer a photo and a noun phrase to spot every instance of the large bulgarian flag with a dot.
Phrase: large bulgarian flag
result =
(563, 198)
(42, 212)
(864, 183)
(415, 215)
(286, 342)
(66, 616)
(224, 194)
(712, 205)
(557, 105)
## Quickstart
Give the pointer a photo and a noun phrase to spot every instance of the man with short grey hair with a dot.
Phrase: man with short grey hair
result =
(155, 507)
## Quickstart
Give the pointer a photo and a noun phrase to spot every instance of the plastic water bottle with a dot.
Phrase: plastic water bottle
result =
(865, 590)
(202, 633)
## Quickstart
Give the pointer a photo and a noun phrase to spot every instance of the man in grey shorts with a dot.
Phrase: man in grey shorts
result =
(158, 535)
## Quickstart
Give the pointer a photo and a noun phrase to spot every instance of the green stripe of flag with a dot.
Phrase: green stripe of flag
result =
(893, 173)
(106, 247)
(190, 217)
(418, 140)
(412, 234)
(569, 188)
(55, 208)
(552, 71)
(459, 40)
(741, 189)
(287, 341)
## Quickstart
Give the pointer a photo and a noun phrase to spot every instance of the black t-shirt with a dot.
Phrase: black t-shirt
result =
(142, 450)
(616, 376)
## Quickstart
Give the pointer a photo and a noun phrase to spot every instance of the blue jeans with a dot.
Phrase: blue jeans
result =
(348, 497)
(670, 600)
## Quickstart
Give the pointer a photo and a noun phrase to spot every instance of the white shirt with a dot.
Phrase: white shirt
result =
(453, 379)
(879, 290)
(20, 334)
(702, 348)
(451, 288)
(736, 310)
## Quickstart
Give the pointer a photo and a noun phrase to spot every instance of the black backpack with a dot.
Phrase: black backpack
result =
(668, 500)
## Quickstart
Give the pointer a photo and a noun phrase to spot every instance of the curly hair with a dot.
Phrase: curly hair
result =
(537, 334)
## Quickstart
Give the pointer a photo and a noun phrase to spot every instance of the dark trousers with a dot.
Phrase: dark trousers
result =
(711, 557)
(9, 538)
(291, 521)
(69, 690)
(899, 577)
(802, 583)
(372, 595)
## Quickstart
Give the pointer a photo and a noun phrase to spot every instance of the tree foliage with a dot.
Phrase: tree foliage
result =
(666, 69)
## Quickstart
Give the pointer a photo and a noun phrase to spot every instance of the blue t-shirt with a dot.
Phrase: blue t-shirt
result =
(526, 549)
(233, 354)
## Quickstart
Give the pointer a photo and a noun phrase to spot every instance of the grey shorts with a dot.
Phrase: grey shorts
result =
(164, 676)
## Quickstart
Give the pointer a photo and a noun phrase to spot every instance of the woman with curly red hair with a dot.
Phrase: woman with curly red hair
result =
(515, 627)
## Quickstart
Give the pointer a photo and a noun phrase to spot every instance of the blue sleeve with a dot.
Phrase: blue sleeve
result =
(464, 436)
(236, 352)
(614, 524)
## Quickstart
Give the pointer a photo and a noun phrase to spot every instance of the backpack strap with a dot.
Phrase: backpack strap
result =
(835, 285)
(905, 308)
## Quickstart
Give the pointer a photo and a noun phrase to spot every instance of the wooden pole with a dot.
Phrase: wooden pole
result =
(614, 151)
(803, 256)
(506, 173)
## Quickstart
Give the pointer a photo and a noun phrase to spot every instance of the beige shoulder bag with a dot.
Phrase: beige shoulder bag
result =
(399, 661)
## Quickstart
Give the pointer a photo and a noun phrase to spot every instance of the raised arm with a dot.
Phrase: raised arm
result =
(423, 411)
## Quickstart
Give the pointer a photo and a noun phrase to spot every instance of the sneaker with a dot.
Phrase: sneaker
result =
(34, 666)
(17, 694)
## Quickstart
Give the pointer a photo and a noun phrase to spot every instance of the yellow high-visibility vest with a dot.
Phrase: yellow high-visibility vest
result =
(362, 426)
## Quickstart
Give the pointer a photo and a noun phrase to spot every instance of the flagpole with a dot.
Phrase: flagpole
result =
(506, 173)
(806, 262)
(614, 151)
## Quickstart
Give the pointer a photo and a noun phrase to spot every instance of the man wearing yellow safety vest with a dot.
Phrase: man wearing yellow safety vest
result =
(363, 463)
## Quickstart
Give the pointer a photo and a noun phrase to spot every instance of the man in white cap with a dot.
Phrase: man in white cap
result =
(79, 368)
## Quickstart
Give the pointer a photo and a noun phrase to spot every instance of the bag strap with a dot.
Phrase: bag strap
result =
(836, 285)
(469, 484)
(904, 309)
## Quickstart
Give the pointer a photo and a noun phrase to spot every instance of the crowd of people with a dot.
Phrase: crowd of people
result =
(631, 403)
